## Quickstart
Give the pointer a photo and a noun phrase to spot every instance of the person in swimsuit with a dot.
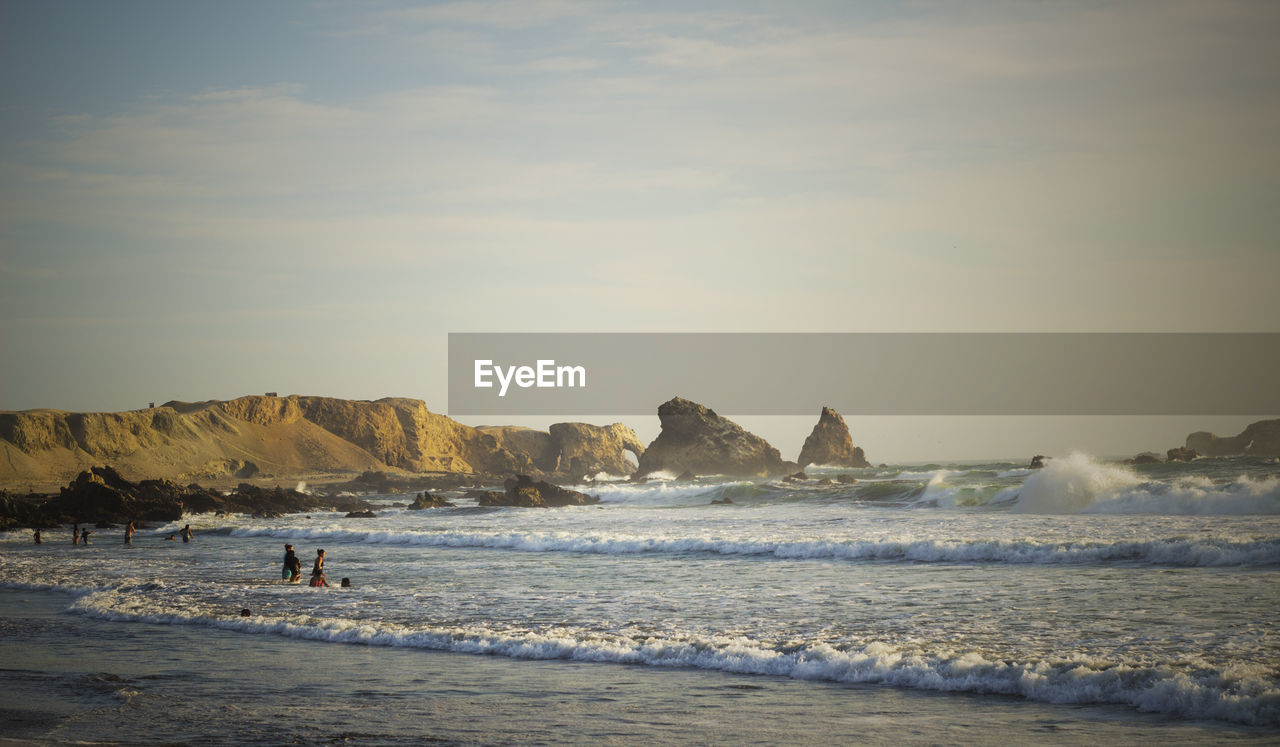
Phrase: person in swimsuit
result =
(292, 566)
(317, 570)
(128, 534)
(38, 540)
(84, 536)
(75, 534)
(186, 533)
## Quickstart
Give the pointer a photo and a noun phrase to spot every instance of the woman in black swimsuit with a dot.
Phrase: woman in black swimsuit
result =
(317, 570)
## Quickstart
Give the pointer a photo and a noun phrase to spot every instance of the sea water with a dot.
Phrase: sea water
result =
(1152, 591)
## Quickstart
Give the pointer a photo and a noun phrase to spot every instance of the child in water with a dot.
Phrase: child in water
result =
(317, 570)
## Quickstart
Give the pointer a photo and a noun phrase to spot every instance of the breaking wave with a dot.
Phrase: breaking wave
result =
(1171, 552)
(1243, 693)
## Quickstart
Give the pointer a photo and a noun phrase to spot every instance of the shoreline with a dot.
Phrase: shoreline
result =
(143, 682)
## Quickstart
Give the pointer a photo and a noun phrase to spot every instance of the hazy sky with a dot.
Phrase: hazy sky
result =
(204, 200)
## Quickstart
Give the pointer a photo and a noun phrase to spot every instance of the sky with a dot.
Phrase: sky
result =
(206, 200)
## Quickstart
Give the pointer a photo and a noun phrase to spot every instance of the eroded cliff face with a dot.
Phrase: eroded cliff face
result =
(586, 450)
(1258, 439)
(695, 439)
(283, 437)
(830, 443)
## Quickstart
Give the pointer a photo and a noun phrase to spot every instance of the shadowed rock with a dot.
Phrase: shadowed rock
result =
(1259, 439)
(425, 500)
(829, 443)
(522, 491)
(696, 439)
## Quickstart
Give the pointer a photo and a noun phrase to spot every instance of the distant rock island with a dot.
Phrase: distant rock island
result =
(1258, 439)
(270, 437)
(696, 440)
(830, 444)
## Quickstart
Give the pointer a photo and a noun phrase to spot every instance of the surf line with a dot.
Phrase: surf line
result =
(545, 374)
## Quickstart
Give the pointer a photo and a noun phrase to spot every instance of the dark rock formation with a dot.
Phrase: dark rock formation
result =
(1181, 454)
(696, 439)
(522, 491)
(361, 515)
(18, 511)
(426, 500)
(1037, 461)
(846, 479)
(102, 495)
(722, 502)
(829, 443)
(687, 476)
(1145, 457)
(1259, 439)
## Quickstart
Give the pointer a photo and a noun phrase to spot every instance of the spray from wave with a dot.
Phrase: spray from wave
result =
(1080, 484)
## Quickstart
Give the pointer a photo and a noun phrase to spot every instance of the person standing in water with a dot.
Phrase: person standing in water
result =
(186, 533)
(75, 534)
(317, 570)
(38, 540)
(84, 536)
(292, 566)
(128, 534)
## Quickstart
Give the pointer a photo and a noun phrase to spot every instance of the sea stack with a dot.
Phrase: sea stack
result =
(695, 439)
(829, 443)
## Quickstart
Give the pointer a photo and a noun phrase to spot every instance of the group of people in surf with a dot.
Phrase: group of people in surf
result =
(292, 571)
(81, 536)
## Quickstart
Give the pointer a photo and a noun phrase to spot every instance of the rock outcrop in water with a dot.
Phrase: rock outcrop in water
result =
(1181, 454)
(101, 495)
(1258, 439)
(425, 500)
(829, 443)
(522, 491)
(695, 439)
(269, 437)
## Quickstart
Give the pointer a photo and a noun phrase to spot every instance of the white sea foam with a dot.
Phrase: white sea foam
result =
(1184, 553)
(1080, 484)
(1242, 693)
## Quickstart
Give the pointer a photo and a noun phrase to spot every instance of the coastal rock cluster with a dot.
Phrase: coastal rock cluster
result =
(101, 495)
(830, 444)
(522, 491)
(388, 445)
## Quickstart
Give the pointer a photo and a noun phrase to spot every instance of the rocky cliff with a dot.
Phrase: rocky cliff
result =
(830, 443)
(695, 439)
(1259, 439)
(573, 450)
(277, 437)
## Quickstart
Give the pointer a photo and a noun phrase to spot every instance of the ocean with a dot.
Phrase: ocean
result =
(979, 602)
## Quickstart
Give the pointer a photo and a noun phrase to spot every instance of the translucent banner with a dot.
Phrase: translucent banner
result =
(866, 373)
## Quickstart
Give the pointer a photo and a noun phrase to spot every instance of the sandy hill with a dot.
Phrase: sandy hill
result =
(255, 436)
